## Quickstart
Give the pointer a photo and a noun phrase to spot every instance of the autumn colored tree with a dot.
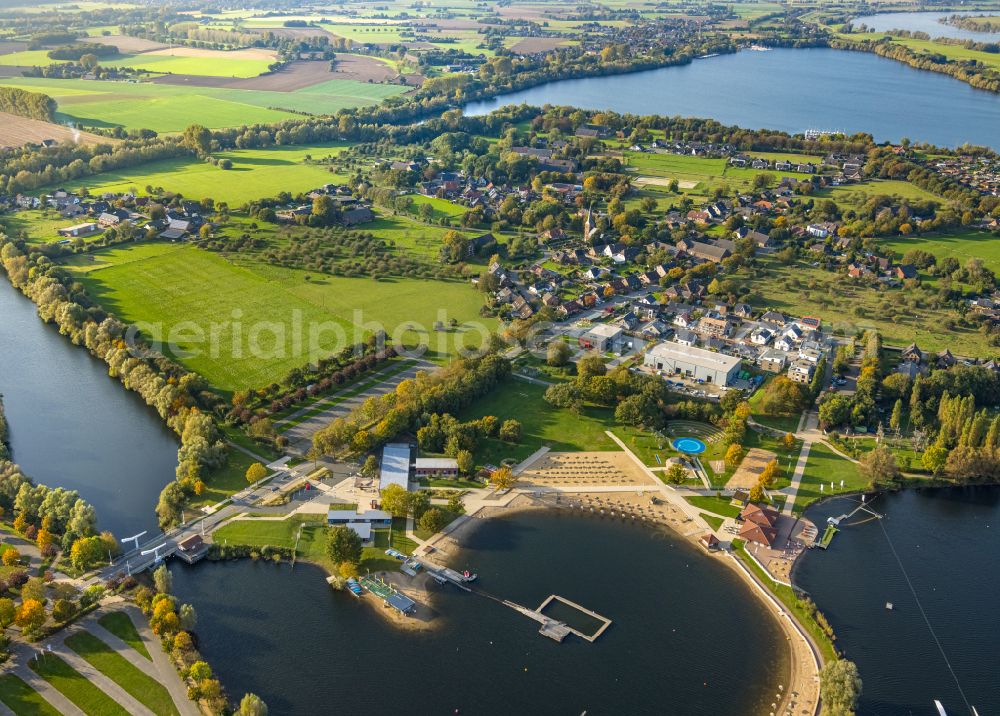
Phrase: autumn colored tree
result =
(11, 557)
(503, 478)
(30, 615)
(256, 472)
(788, 441)
(676, 474)
(770, 474)
(734, 455)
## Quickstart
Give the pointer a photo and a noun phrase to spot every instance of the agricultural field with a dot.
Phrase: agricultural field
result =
(256, 173)
(16, 131)
(171, 108)
(173, 60)
(255, 319)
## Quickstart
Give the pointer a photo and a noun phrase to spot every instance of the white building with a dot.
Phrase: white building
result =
(690, 362)
(395, 466)
(602, 337)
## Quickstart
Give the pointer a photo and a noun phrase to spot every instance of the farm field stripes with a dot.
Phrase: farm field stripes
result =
(254, 309)
(171, 108)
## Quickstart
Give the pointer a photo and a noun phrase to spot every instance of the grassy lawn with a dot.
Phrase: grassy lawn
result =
(256, 173)
(68, 681)
(119, 624)
(144, 689)
(823, 467)
(560, 429)
(715, 505)
(22, 699)
(264, 320)
(714, 522)
(957, 53)
(787, 597)
(224, 482)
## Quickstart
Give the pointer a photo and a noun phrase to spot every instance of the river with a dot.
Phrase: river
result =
(73, 426)
(687, 638)
(790, 90)
(947, 542)
(928, 22)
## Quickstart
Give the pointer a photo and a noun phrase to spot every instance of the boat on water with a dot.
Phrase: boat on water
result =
(355, 587)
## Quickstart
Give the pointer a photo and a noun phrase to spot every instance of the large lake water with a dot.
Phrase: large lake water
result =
(73, 426)
(687, 637)
(928, 22)
(791, 90)
(947, 542)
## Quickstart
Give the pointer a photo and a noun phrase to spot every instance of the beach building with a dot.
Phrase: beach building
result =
(759, 525)
(690, 362)
(395, 466)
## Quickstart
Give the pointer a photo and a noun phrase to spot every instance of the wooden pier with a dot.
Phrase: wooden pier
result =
(555, 629)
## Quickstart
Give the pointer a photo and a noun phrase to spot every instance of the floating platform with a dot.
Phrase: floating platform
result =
(827, 538)
(604, 621)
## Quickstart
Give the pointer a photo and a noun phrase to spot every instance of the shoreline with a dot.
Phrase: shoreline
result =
(804, 658)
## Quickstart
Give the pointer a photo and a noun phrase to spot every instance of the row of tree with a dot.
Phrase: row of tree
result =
(176, 395)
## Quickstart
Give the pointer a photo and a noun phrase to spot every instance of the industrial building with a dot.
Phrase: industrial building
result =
(602, 337)
(694, 363)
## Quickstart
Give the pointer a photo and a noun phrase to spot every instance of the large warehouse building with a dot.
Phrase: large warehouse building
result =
(691, 362)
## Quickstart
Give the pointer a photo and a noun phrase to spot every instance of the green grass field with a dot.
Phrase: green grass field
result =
(171, 108)
(68, 681)
(119, 624)
(823, 467)
(144, 689)
(542, 424)
(256, 173)
(22, 699)
(166, 285)
(962, 245)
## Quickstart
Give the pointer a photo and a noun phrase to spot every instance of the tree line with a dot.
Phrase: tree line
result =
(179, 397)
(33, 105)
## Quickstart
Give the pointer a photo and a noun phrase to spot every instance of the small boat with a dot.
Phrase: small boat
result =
(888, 605)
(354, 587)
(467, 577)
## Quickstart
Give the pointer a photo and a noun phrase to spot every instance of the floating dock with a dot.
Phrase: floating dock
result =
(828, 534)
(555, 629)
(389, 594)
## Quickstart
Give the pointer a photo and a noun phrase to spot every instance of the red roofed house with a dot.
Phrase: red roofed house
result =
(759, 525)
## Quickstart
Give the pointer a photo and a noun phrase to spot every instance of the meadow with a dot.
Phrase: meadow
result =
(801, 289)
(256, 173)
(823, 467)
(260, 316)
(171, 108)
(962, 245)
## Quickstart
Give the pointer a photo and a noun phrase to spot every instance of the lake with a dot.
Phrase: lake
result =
(925, 22)
(947, 542)
(73, 426)
(790, 90)
(687, 638)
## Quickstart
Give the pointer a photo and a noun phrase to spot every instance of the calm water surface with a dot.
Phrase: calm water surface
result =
(925, 22)
(948, 542)
(686, 639)
(791, 90)
(73, 426)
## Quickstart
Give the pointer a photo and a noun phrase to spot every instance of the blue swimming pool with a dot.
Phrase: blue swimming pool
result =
(691, 446)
